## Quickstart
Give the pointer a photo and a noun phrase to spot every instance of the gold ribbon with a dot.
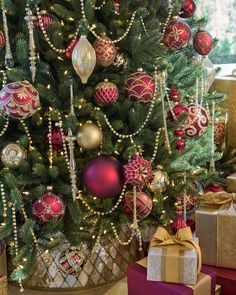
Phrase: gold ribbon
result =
(183, 239)
(222, 200)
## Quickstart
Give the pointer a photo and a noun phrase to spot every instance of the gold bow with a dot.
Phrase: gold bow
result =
(182, 238)
(220, 199)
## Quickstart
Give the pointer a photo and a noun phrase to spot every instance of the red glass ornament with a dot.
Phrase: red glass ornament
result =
(105, 52)
(105, 93)
(219, 133)
(138, 171)
(191, 202)
(2, 39)
(203, 42)
(103, 177)
(47, 20)
(215, 188)
(116, 6)
(178, 110)
(178, 223)
(19, 100)
(70, 42)
(144, 205)
(48, 207)
(188, 8)
(177, 34)
(175, 94)
(140, 87)
(179, 133)
(196, 122)
(181, 145)
(56, 138)
(71, 261)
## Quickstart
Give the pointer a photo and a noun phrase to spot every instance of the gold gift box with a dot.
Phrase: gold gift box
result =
(216, 229)
(231, 186)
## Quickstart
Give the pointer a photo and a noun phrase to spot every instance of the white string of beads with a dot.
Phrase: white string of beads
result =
(170, 7)
(117, 236)
(50, 141)
(100, 6)
(156, 144)
(27, 132)
(4, 202)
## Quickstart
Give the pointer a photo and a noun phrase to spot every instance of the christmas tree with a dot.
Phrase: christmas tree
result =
(105, 120)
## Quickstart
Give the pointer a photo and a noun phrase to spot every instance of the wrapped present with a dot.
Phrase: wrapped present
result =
(3, 285)
(139, 285)
(231, 186)
(215, 227)
(3, 270)
(174, 259)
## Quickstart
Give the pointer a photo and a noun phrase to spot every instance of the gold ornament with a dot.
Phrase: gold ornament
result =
(160, 181)
(84, 59)
(12, 155)
(121, 61)
(89, 136)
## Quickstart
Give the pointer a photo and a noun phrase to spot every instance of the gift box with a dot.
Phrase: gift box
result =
(231, 186)
(215, 227)
(3, 270)
(174, 259)
(139, 285)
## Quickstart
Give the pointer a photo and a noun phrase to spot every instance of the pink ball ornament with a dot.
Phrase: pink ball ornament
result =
(103, 177)
(48, 207)
(140, 87)
(19, 100)
(105, 52)
(105, 93)
(196, 122)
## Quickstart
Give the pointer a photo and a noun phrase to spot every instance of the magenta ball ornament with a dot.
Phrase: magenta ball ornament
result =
(103, 177)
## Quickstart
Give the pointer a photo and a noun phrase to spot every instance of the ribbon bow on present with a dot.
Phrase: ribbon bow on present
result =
(221, 199)
(182, 238)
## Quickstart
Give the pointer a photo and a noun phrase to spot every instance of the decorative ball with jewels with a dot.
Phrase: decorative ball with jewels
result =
(105, 93)
(70, 43)
(140, 87)
(12, 155)
(188, 8)
(71, 261)
(191, 202)
(48, 207)
(160, 181)
(47, 19)
(2, 39)
(213, 187)
(55, 136)
(203, 42)
(89, 136)
(121, 61)
(19, 100)
(196, 122)
(219, 132)
(138, 172)
(105, 52)
(177, 34)
(144, 205)
(103, 177)
(84, 59)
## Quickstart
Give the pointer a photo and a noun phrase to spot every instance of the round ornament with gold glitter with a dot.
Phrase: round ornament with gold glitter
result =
(19, 100)
(12, 155)
(89, 136)
(160, 180)
(177, 34)
(219, 133)
(190, 202)
(105, 93)
(71, 261)
(105, 52)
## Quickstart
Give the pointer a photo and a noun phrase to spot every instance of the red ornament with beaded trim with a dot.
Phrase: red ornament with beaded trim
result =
(219, 133)
(48, 207)
(188, 8)
(203, 42)
(144, 205)
(47, 19)
(105, 93)
(138, 172)
(2, 40)
(140, 87)
(196, 122)
(105, 52)
(19, 100)
(191, 202)
(177, 34)
(71, 261)
(71, 42)
(56, 138)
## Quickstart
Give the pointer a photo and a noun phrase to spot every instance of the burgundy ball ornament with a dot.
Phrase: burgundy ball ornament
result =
(48, 207)
(103, 177)
(46, 18)
(178, 110)
(2, 39)
(105, 51)
(181, 145)
(190, 201)
(188, 8)
(71, 261)
(105, 93)
(19, 100)
(203, 42)
(212, 187)
(219, 133)
(69, 46)
(55, 136)
(196, 122)
(144, 205)
(177, 34)
(140, 87)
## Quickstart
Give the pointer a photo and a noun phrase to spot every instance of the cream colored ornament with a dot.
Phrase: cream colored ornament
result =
(89, 136)
(84, 59)
(160, 181)
(12, 155)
